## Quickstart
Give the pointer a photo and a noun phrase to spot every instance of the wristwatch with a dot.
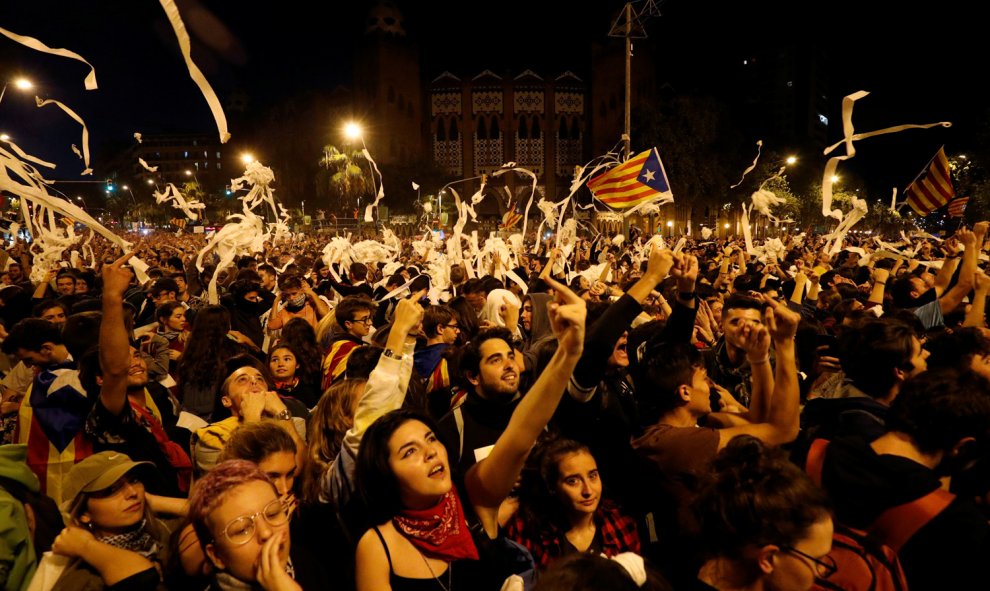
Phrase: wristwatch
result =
(284, 415)
(393, 355)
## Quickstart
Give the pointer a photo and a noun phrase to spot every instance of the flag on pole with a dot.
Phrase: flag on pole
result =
(638, 180)
(957, 207)
(933, 187)
(511, 218)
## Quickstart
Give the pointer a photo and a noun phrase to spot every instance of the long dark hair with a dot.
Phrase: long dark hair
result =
(299, 337)
(202, 362)
(376, 483)
(538, 502)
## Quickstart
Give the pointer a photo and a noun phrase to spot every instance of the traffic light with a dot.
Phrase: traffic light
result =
(109, 188)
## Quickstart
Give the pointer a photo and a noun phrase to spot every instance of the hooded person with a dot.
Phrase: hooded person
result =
(535, 324)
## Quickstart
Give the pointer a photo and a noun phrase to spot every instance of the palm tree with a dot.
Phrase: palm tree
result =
(344, 179)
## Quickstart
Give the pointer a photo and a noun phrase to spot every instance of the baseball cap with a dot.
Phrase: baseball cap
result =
(98, 472)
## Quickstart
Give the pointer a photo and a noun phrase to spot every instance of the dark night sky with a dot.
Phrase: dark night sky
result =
(920, 66)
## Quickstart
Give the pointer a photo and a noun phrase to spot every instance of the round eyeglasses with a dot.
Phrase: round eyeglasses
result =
(241, 530)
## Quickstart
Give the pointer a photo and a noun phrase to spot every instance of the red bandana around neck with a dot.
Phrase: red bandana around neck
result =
(440, 531)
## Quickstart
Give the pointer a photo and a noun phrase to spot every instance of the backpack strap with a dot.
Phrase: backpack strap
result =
(459, 422)
(816, 460)
(895, 526)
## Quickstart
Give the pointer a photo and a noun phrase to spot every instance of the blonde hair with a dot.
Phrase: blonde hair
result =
(326, 327)
(330, 421)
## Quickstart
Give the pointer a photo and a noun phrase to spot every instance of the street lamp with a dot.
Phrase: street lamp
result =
(247, 158)
(835, 178)
(20, 84)
(4, 137)
(352, 131)
(83, 201)
(791, 159)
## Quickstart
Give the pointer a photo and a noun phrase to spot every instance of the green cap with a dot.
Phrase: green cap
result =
(97, 472)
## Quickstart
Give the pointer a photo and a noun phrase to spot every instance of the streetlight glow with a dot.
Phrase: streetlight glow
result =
(188, 173)
(150, 182)
(670, 224)
(352, 131)
(791, 159)
(835, 178)
(23, 84)
(247, 158)
(125, 187)
(4, 136)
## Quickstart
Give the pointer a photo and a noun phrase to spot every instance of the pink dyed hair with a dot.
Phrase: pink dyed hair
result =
(209, 492)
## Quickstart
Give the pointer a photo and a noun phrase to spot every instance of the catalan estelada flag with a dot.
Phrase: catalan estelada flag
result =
(933, 187)
(640, 179)
(510, 219)
(958, 207)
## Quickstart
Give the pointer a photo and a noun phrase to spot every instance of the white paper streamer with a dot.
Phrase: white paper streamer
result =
(37, 45)
(369, 212)
(146, 167)
(85, 130)
(759, 150)
(245, 233)
(137, 136)
(173, 196)
(175, 19)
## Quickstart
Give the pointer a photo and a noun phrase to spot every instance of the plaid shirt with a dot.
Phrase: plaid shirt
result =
(617, 531)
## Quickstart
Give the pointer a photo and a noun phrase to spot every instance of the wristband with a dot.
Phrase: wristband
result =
(760, 362)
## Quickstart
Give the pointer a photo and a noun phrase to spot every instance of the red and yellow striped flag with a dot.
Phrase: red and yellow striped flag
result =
(640, 179)
(933, 187)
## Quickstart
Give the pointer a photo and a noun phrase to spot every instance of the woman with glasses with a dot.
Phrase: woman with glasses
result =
(112, 537)
(243, 528)
(764, 524)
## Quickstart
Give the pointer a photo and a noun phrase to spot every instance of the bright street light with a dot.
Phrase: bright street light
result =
(670, 224)
(352, 131)
(791, 159)
(835, 178)
(125, 187)
(247, 158)
(726, 226)
(188, 172)
(23, 84)
(4, 136)
(150, 182)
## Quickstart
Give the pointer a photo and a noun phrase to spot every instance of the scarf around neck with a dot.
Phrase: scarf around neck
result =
(440, 531)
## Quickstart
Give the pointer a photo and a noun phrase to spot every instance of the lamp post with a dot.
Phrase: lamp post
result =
(353, 131)
(19, 83)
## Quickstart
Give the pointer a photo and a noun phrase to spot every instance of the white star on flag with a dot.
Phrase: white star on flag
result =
(650, 175)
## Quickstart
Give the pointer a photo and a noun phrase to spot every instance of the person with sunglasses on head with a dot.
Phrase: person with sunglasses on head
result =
(764, 525)
(112, 536)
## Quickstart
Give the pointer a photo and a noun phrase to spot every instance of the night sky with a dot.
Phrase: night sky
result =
(920, 66)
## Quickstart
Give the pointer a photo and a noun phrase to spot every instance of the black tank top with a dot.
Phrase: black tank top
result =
(409, 584)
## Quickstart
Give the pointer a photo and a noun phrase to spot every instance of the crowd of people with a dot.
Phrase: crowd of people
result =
(587, 413)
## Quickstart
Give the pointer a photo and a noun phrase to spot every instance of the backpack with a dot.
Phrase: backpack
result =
(863, 564)
(867, 561)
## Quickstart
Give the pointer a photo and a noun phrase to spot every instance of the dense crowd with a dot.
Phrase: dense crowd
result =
(587, 413)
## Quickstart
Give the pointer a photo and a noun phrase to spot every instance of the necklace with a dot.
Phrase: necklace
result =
(450, 567)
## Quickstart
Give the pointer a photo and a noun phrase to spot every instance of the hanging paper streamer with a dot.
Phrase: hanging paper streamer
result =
(532, 188)
(38, 210)
(245, 233)
(137, 136)
(706, 233)
(146, 167)
(759, 150)
(85, 130)
(37, 45)
(175, 19)
(173, 196)
(849, 138)
(834, 242)
(369, 212)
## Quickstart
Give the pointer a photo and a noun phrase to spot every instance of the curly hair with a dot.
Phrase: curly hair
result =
(754, 495)
(209, 492)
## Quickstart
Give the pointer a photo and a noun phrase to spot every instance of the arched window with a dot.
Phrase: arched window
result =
(575, 128)
(441, 130)
(523, 128)
(536, 132)
(481, 128)
(454, 136)
(496, 133)
(562, 131)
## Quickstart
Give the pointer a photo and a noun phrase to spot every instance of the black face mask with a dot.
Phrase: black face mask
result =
(257, 308)
(292, 308)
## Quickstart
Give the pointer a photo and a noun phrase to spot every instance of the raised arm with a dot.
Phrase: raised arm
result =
(490, 481)
(115, 348)
(976, 315)
(954, 297)
(781, 425)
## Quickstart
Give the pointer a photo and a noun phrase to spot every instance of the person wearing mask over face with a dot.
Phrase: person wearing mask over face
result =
(246, 302)
(112, 533)
(297, 300)
(429, 531)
